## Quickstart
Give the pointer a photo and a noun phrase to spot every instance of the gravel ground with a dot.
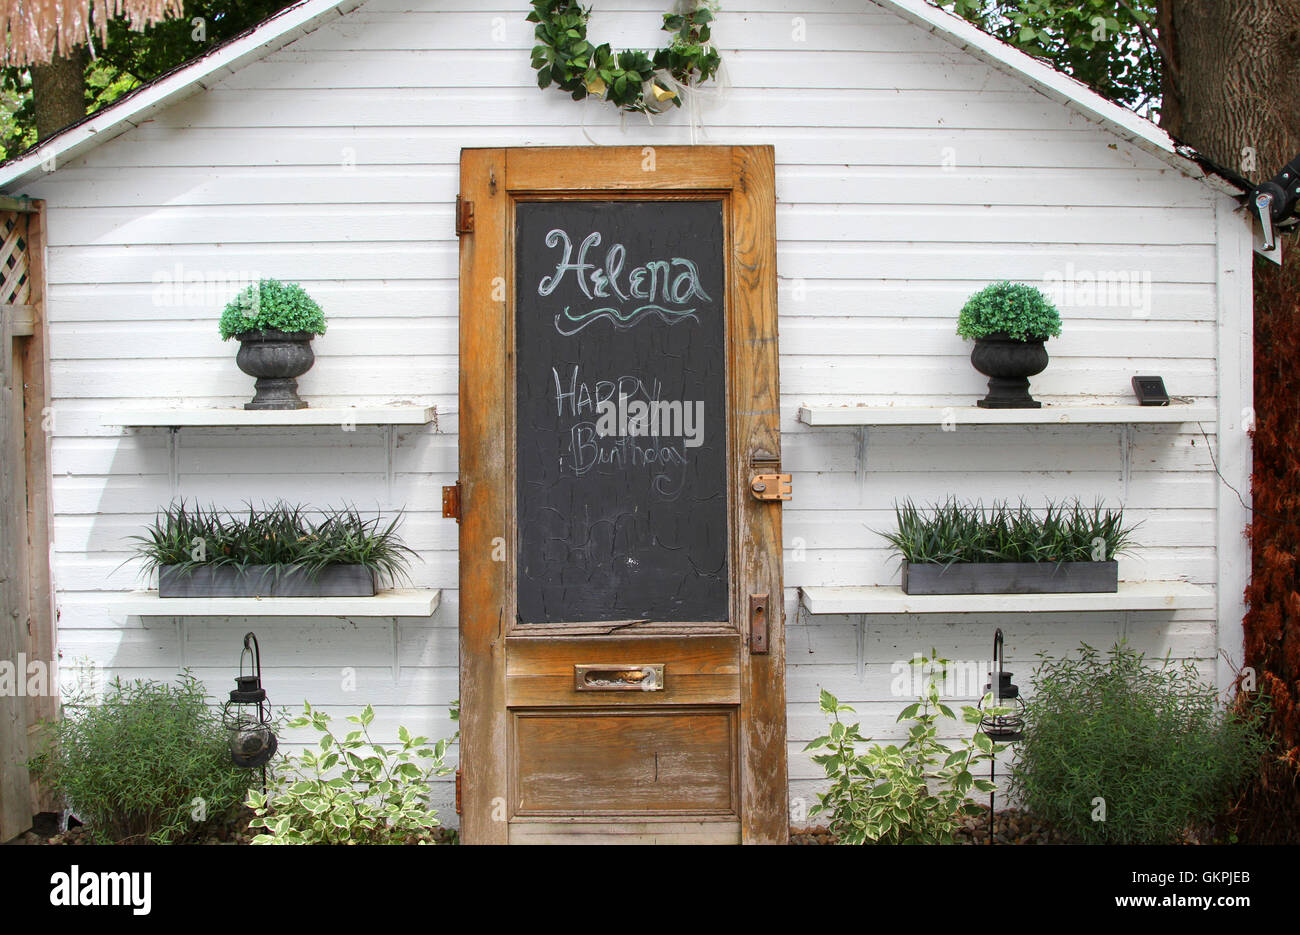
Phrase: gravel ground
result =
(1009, 827)
(233, 831)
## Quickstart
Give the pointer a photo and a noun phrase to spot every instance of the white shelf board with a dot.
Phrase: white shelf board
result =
(398, 602)
(355, 415)
(1132, 595)
(973, 415)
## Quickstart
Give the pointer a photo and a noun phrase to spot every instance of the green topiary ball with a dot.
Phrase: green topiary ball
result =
(1012, 308)
(272, 305)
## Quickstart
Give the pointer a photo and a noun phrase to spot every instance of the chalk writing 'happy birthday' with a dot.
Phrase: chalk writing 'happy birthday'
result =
(665, 288)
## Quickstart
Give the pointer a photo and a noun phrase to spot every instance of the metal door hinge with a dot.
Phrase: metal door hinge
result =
(464, 216)
(771, 486)
(451, 502)
(458, 808)
(759, 611)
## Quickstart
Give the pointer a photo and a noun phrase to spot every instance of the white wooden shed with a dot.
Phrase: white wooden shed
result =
(916, 160)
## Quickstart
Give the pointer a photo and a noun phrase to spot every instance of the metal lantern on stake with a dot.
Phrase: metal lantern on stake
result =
(247, 715)
(996, 722)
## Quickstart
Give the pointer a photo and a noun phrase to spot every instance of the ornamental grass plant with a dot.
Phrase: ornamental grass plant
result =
(280, 535)
(953, 531)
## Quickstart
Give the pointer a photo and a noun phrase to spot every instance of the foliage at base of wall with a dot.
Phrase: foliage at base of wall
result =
(1117, 750)
(150, 764)
(1272, 625)
(352, 790)
(913, 793)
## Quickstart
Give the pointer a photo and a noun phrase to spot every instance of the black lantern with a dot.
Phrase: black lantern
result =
(1001, 692)
(247, 715)
(1008, 726)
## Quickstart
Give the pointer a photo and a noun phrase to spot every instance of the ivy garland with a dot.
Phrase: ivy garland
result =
(632, 80)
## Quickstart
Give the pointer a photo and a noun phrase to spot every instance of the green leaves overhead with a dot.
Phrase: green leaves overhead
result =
(566, 58)
(1110, 45)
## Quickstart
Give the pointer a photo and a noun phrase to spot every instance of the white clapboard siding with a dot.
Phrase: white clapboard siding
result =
(909, 174)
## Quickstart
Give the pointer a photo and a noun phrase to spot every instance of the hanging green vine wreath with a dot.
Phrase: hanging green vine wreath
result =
(633, 80)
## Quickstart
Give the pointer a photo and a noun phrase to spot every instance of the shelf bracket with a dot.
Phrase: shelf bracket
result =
(397, 664)
(861, 639)
(390, 460)
(174, 460)
(1126, 458)
(864, 437)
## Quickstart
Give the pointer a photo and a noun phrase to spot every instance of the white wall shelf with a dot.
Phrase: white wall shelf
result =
(398, 602)
(1132, 595)
(973, 415)
(216, 418)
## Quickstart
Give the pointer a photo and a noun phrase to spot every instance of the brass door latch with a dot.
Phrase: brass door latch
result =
(770, 486)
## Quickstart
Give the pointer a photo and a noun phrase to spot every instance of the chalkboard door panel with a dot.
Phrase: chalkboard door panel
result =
(621, 454)
(619, 386)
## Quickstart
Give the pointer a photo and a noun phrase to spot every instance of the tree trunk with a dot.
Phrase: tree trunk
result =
(1234, 81)
(59, 92)
(1233, 92)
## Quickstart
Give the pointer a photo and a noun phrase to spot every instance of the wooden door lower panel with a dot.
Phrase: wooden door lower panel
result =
(580, 831)
(623, 763)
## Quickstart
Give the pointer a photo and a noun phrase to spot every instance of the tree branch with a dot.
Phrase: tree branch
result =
(1165, 52)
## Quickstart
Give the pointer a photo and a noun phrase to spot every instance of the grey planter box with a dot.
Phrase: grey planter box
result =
(262, 581)
(1011, 578)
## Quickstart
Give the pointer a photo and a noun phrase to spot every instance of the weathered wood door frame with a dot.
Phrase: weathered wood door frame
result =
(491, 182)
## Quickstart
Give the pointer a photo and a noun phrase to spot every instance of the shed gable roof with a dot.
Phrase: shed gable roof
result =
(305, 16)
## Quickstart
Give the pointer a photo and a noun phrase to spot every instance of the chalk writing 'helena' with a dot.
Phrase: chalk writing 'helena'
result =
(666, 282)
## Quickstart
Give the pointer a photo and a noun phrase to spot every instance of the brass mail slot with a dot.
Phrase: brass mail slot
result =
(618, 678)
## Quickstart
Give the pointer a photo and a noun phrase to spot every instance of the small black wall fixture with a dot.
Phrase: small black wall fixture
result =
(1003, 712)
(247, 715)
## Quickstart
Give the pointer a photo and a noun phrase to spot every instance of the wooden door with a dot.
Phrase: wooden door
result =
(622, 654)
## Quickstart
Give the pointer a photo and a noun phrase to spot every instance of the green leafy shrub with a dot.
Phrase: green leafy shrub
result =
(280, 535)
(1150, 745)
(913, 793)
(960, 532)
(353, 790)
(151, 764)
(271, 305)
(1015, 309)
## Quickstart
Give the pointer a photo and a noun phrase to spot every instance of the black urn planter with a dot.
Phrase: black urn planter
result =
(1009, 363)
(277, 359)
